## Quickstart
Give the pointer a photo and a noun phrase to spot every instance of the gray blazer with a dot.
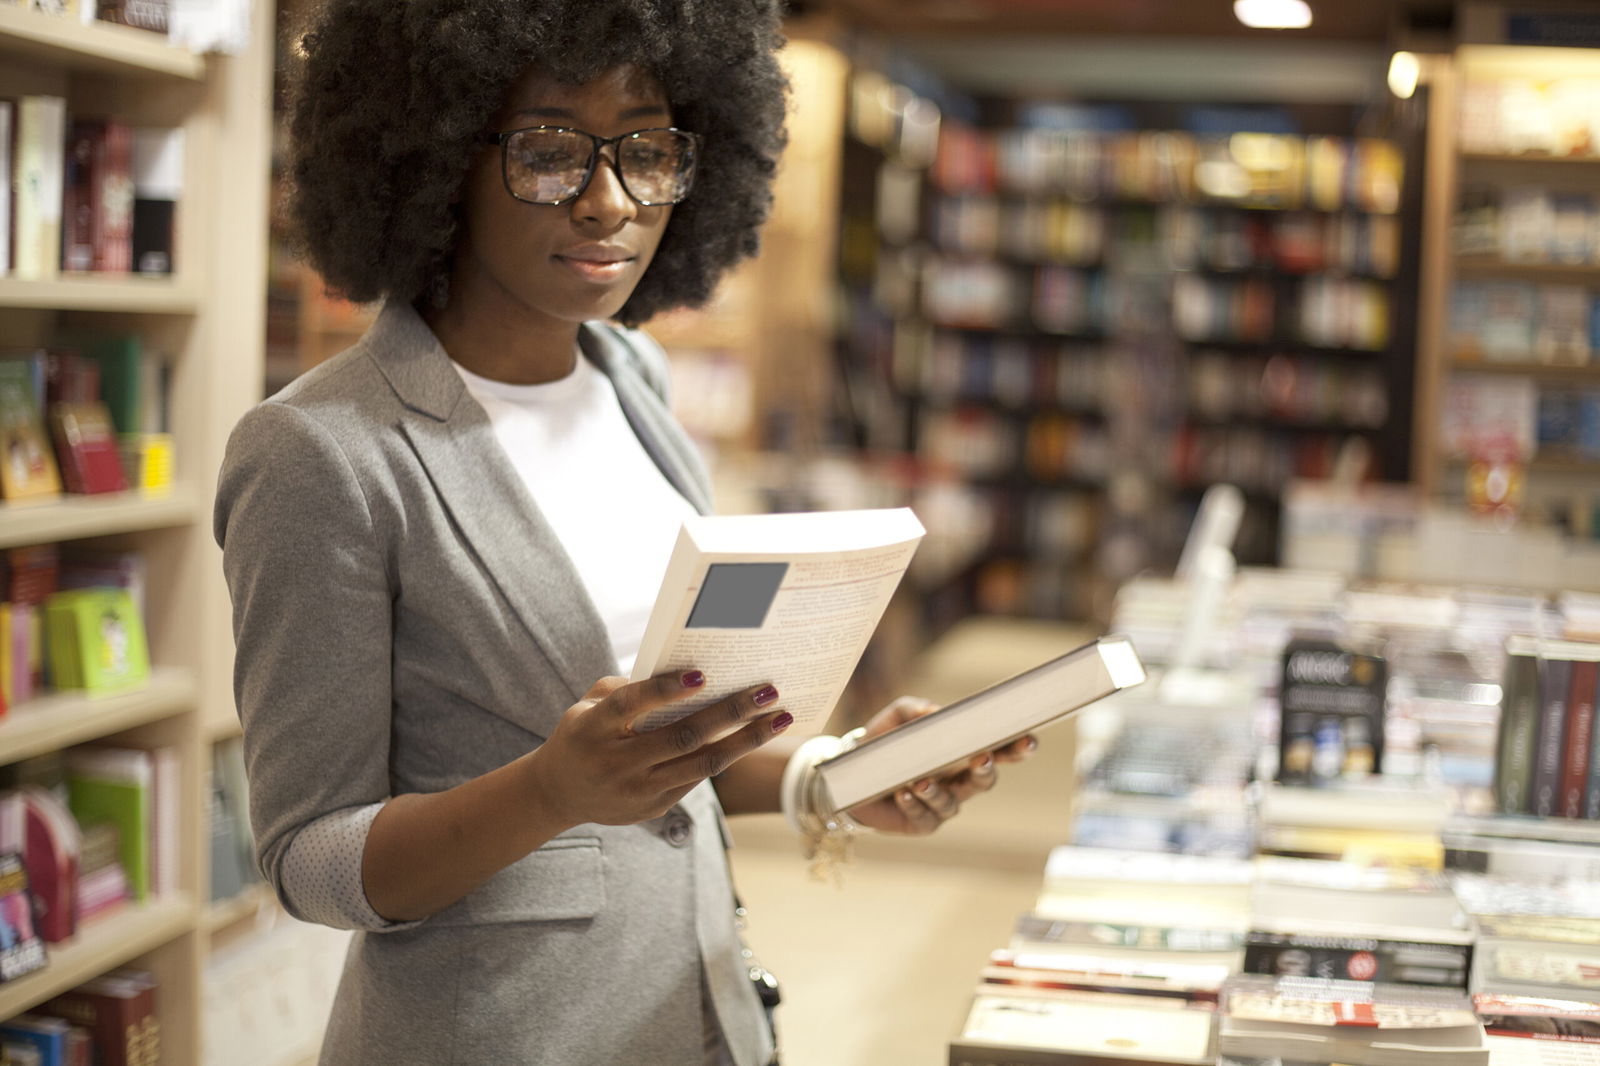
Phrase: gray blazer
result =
(406, 620)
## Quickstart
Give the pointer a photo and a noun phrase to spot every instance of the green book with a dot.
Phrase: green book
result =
(1519, 727)
(96, 640)
(120, 357)
(116, 786)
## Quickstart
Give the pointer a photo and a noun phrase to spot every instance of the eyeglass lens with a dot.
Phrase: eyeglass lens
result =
(549, 166)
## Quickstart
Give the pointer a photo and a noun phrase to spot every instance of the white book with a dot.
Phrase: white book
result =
(165, 811)
(1079, 1029)
(40, 185)
(7, 124)
(783, 599)
(986, 719)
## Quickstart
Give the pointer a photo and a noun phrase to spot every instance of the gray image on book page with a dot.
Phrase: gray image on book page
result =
(801, 625)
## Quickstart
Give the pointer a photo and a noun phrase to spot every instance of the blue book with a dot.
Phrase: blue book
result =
(47, 1035)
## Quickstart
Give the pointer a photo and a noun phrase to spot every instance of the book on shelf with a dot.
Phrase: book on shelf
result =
(86, 448)
(986, 719)
(56, 1041)
(124, 786)
(232, 844)
(1057, 1028)
(99, 198)
(54, 845)
(1501, 856)
(40, 172)
(119, 1012)
(96, 640)
(790, 599)
(1546, 761)
(27, 465)
(158, 162)
(142, 14)
(1356, 1022)
(8, 121)
(22, 949)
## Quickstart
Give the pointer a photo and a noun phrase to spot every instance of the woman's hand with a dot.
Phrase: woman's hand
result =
(925, 805)
(596, 768)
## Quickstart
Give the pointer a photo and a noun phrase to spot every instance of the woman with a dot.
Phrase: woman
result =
(443, 544)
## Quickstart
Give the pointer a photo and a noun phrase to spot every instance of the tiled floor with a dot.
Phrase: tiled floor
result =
(878, 971)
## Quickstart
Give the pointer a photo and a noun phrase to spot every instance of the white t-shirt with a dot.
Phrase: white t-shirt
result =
(614, 511)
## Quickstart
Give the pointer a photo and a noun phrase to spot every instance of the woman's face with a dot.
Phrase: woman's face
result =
(575, 261)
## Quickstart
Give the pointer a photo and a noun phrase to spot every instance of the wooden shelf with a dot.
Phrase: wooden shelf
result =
(1541, 371)
(62, 40)
(61, 719)
(100, 946)
(1549, 160)
(1478, 266)
(140, 295)
(1552, 464)
(71, 517)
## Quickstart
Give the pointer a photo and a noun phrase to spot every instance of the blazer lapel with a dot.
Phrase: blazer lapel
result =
(485, 495)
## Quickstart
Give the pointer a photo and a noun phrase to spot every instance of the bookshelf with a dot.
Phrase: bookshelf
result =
(1090, 313)
(1499, 341)
(207, 318)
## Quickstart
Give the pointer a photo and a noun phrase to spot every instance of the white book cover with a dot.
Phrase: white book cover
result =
(40, 185)
(165, 811)
(984, 720)
(1089, 1028)
(785, 599)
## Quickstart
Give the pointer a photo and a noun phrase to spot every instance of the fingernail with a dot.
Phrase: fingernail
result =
(925, 787)
(1032, 744)
(906, 797)
(985, 762)
(766, 696)
(693, 679)
(782, 722)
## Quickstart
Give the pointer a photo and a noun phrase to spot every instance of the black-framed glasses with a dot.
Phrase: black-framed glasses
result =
(553, 164)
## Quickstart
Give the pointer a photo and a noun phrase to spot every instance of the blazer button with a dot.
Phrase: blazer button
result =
(678, 830)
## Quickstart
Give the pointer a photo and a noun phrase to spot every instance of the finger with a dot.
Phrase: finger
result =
(979, 778)
(920, 818)
(1018, 749)
(628, 702)
(711, 759)
(691, 733)
(938, 799)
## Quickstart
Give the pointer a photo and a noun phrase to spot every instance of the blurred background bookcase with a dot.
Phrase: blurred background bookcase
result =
(209, 316)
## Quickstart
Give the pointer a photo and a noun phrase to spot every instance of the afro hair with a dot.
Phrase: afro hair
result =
(389, 98)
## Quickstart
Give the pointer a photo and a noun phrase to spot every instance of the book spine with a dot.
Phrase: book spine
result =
(113, 241)
(1592, 790)
(1359, 959)
(1519, 725)
(85, 163)
(41, 149)
(1580, 729)
(8, 112)
(1554, 688)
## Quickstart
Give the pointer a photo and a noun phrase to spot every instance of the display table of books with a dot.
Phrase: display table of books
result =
(1145, 957)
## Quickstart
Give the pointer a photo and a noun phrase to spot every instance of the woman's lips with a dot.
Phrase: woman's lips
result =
(596, 270)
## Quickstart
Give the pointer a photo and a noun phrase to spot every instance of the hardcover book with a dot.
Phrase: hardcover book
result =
(27, 467)
(790, 599)
(987, 719)
(86, 448)
(1056, 1029)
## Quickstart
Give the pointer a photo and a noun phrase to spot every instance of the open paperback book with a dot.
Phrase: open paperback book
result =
(989, 718)
(790, 599)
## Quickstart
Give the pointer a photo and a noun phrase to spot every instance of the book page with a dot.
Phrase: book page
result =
(799, 622)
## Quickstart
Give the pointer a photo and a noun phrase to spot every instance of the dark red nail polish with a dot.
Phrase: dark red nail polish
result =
(766, 696)
(782, 722)
(693, 679)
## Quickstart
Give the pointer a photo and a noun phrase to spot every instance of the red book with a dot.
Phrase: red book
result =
(86, 448)
(98, 217)
(51, 856)
(119, 1010)
(1579, 732)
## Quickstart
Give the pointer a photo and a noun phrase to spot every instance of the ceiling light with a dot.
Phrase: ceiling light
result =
(1273, 14)
(1403, 73)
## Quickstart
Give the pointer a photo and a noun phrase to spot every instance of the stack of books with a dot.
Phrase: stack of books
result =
(1359, 1023)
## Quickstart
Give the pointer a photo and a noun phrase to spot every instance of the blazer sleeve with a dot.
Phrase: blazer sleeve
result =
(312, 628)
